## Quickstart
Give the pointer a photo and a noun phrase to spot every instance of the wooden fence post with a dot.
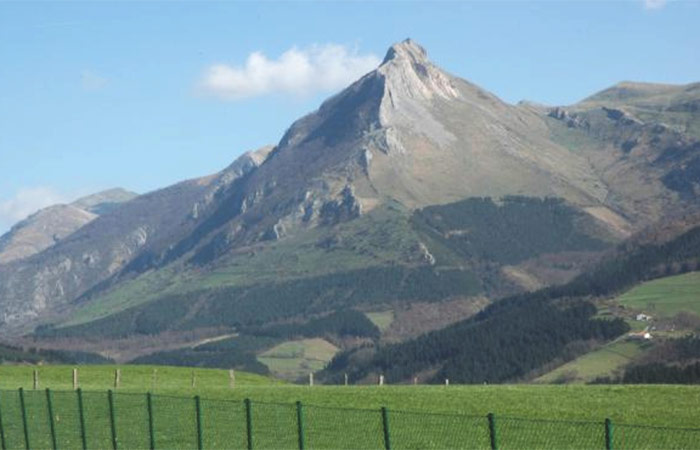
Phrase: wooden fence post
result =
(346, 379)
(311, 378)
(36, 379)
(117, 378)
(381, 380)
(231, 378)
(75, 379)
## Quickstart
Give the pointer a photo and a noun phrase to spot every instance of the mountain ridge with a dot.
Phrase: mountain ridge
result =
(403, 137)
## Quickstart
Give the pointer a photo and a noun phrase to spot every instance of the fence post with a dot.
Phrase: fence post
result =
(346, 379)
(117, 378)
(25, 425)
(248, 423)
(81, 415)
(300, 425)
(311, 378)
(36, 379)
(151, 433)
(385, 426)
(2, 433)
(492, 431)
(52, 425)
(75, 379)
(608, 434)
(112, 419)
(231, 378)
(198, 411)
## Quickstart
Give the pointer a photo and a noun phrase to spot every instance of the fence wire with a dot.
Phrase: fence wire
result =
(87, 420)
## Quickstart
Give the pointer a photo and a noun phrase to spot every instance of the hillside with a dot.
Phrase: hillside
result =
(411, 191)
(521, 337)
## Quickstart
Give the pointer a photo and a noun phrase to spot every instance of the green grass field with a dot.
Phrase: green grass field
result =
(529, 416)
(293, 359)
(382, 319)
(666, 296)
(598, 363)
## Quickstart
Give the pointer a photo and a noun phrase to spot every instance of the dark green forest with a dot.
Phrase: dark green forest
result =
(263, 304)
(521, 333)
(517, 229)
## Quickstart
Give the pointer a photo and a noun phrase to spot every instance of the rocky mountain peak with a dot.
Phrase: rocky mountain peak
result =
(408, 50)
(409, 74)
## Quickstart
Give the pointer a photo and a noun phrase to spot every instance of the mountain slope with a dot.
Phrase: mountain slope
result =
(46, 227)
(516, 337)
(106, 246)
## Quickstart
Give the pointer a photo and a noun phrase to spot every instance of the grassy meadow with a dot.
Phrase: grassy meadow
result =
(662, 405)
(528, 416)
(667, 296)
(602, 362)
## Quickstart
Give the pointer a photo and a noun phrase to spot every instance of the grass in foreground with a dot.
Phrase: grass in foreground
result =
(662, 405)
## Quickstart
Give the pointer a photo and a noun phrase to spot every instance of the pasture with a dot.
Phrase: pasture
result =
(536, 416)
(665, 297)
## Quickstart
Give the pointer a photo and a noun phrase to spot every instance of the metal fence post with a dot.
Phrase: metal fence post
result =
(385, 426)
(248, 423)
(81, 415)
(198, 411)
(493, 434)
(300, 425)
(52, 425)
(2, 433)
(25, 425)
(608, 434)
(151, 434)
(112, 419)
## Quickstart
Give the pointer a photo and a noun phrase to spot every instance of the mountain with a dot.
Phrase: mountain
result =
(411, 190)
(104, 201)
(49, 225)
(106, 245)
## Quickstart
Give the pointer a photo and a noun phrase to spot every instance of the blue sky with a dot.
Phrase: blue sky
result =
(143, 94)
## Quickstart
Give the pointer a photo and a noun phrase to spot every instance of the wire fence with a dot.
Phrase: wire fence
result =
(103, 420)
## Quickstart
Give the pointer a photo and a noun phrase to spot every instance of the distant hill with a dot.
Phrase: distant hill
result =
(46, 227)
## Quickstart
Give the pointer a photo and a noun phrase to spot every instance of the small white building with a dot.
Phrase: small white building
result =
(643, 318)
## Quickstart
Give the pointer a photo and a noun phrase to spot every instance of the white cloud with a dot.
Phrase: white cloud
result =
(25, 202)
(319, 68)
(654, 4)
(90, 81)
